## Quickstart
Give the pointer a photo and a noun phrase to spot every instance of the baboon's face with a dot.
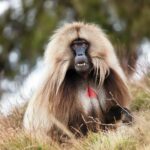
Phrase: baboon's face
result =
(80, 48)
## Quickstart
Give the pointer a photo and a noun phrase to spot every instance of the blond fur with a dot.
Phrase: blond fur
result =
(50, 99)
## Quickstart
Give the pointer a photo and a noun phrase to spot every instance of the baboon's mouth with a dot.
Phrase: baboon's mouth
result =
(83, 64)
(82, 67)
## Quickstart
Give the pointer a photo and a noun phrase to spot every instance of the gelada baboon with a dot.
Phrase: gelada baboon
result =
(84, 86)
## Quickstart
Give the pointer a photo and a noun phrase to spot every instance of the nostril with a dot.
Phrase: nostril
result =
(80, 54)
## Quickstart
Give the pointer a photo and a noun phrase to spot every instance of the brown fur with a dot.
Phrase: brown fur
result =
(59, 96)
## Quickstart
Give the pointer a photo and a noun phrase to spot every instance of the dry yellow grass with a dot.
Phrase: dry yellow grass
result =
(135, 137)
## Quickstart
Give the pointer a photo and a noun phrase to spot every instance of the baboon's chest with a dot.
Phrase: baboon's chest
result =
(89, 100)
(89, 117)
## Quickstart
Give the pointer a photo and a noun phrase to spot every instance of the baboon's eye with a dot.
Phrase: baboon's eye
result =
(79, 44)
(84, 45)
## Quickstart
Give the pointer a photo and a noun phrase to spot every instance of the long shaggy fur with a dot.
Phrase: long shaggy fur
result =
(62, 94)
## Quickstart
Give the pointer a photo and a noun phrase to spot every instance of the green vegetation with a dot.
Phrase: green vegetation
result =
(141, 102)
(141, 95)
(26, 29)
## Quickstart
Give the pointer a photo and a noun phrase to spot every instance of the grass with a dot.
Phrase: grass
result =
(135, 137)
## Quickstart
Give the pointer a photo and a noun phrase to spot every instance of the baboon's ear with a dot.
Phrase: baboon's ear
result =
(116, 89)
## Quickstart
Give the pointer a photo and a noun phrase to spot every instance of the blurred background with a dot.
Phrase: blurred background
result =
(26, 25)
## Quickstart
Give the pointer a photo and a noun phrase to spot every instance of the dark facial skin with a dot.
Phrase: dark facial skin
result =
(80, 49)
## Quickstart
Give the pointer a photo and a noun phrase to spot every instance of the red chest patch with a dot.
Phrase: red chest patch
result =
(91, 93)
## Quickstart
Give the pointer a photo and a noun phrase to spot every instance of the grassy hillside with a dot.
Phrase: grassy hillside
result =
(135, 137)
